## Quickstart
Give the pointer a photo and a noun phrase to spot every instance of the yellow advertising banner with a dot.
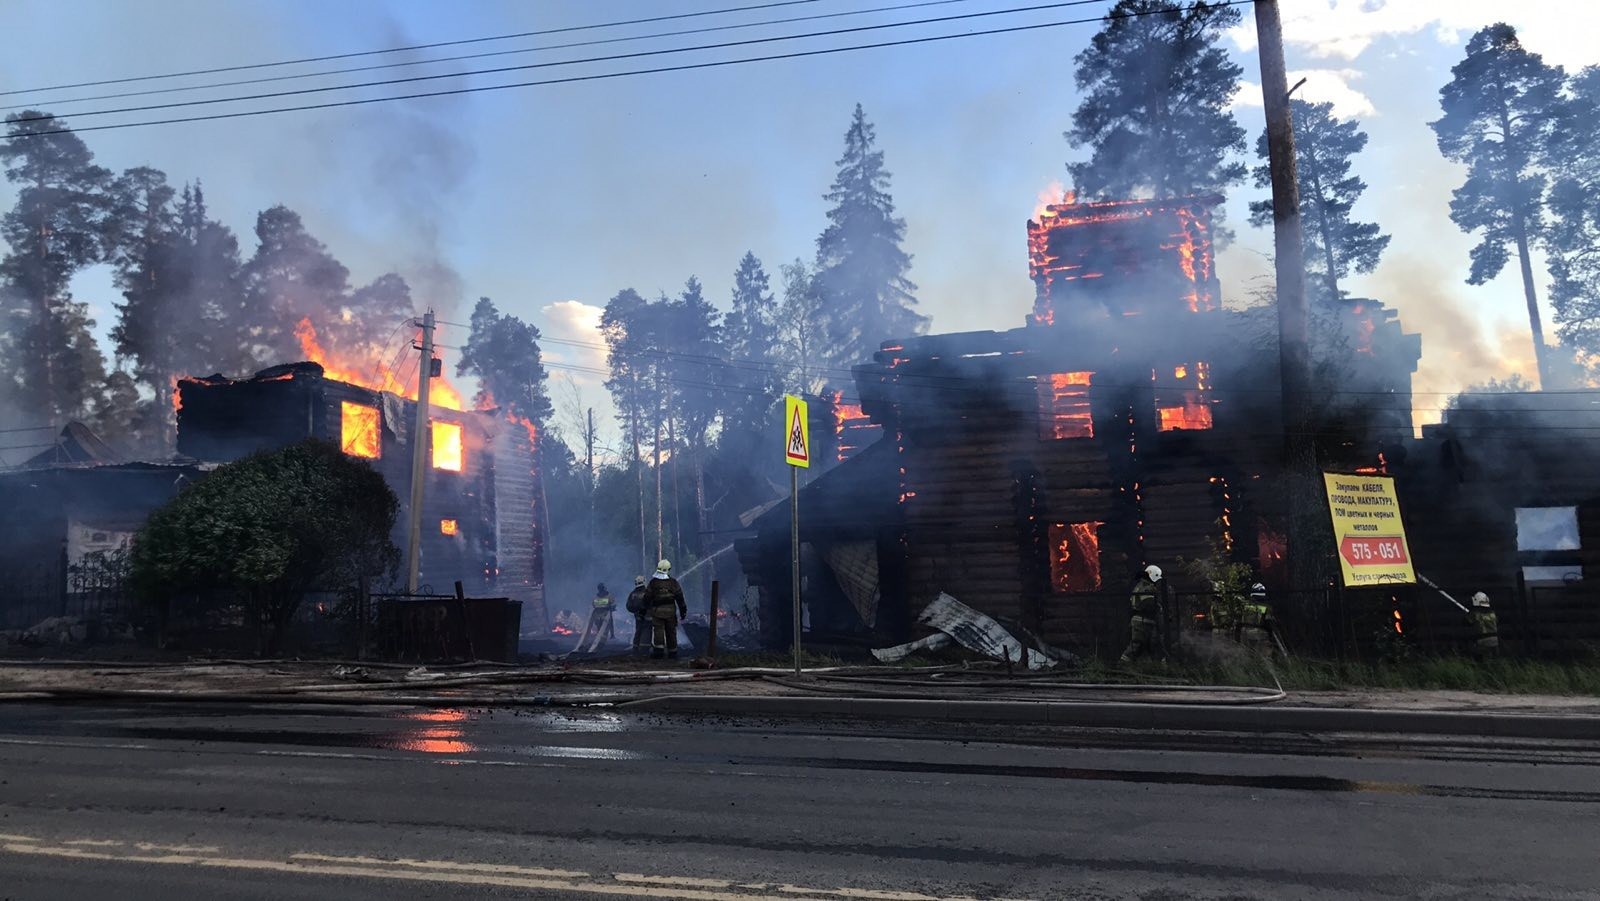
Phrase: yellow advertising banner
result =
(796, 432)
(1367, 530)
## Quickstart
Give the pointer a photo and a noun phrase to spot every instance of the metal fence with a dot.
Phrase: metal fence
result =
(94, 590)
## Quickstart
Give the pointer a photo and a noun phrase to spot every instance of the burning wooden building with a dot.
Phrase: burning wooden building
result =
(482, 518)
(1133, 419)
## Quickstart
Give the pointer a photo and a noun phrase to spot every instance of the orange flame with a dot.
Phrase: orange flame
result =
(1064, 406)
(358, 430)
(446, 445)
(848, 420)
(449, 527)
(440, 393)
(1054, 194)
(1075, 556)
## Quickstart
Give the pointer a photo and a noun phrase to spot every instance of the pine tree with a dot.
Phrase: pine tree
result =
(503, 353)
(1573, 239)
(1156, 94)
(750, 334)
(1498, 113)
(1336, 245)
(861, 270)
(213, 274)
(154, 329)
(291, 277)
(54, 367)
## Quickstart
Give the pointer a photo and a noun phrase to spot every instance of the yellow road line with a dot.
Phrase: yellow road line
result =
(635, 885)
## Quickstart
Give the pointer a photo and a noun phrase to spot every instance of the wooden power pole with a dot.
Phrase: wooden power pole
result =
(419, 458)
(1294, 355)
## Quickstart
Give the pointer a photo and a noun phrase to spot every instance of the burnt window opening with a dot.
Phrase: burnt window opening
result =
(1064, 410)
(447, 446)
(1184, 402)
(1074, 556)
(1547, 543)
(449, 527)
(358, 430)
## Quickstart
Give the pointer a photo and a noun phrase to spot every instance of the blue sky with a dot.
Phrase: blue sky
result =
(550, 199)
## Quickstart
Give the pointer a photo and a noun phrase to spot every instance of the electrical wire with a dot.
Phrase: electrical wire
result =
(638, 54)
(431, 46)
(575, 79)
(489, 55)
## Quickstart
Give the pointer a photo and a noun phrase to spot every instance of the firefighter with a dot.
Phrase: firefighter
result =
(1486, 628)
(1256, 620)
(664, 598)
(601, 625)
(641, 615)
(1145, 612)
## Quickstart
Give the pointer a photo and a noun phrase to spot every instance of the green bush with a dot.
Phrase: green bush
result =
(265, 530)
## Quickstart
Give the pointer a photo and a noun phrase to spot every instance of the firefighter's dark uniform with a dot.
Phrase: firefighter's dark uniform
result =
(1487, 627)
(666, 605)
(1256, 622)
(1143, 622)
(600, 618)
(639, 607)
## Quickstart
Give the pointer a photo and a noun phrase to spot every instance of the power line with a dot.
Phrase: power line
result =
(799, 54)
(486, 55)
(436, 44)
(638, 54)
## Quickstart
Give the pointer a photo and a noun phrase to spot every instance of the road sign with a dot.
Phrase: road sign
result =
(1368, 529)
(796, 432)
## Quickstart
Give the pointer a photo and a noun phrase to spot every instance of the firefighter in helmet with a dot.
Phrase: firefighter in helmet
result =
(639, 607)
(1485, 626)
(1146, 607)
(1256, 620)
(664, 600)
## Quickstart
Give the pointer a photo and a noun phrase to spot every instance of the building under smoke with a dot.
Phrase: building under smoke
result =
(482, 517)
(1031, 472)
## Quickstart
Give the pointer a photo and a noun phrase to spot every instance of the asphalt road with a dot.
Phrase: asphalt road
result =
(368, 803)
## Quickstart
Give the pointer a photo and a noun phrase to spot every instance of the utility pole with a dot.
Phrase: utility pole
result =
(421, 439)
(588, 444)
(1294, 356)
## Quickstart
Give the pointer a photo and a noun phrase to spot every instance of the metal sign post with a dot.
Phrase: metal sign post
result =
(797, 453)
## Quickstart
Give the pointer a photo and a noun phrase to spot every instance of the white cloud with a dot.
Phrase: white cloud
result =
(1322, 86)
(576, 326)
(1343, 29)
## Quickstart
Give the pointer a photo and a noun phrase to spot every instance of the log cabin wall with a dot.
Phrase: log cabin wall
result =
(482, 522)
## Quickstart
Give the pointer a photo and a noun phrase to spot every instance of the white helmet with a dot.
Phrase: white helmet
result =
(1153, 572)
(1480, 600)
(1258, 590)
(664, 566)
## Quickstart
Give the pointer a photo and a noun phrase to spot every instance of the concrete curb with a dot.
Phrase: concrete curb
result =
(1112, 715)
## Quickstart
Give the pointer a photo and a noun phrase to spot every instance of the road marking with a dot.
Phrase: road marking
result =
(674, 880)
(633, 885)
(178, 849)
(444, 865)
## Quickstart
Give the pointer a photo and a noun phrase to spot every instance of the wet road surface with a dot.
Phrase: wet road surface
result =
(357, 803)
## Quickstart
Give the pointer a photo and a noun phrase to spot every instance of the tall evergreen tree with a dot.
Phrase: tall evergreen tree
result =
(1573, 239)
(1336, 244)
(54, 367)
(861, 270)
(1156, 94)
(1498, 113)
(750, 335)
(503, 353)
(291, 277)
(629, 334)
(212, 275)
(153, 331)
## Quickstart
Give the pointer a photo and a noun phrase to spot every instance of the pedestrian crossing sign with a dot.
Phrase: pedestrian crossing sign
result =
(796, 432)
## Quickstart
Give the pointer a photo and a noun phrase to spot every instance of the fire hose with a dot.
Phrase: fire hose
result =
(1430, 583)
